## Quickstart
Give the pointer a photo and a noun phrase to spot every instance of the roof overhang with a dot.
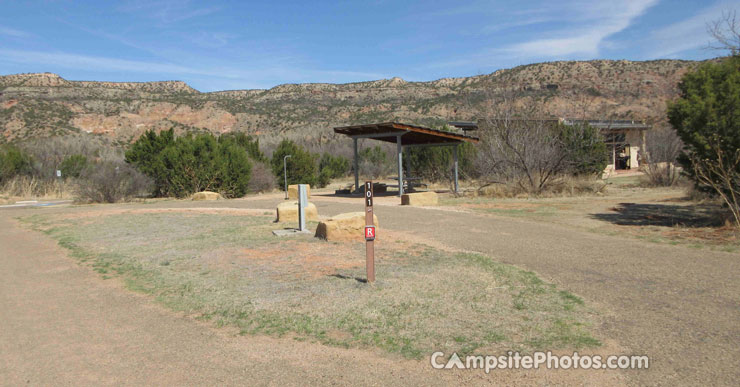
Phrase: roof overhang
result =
(408, 134)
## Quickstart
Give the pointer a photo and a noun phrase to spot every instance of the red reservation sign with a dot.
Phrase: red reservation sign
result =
(369, 233)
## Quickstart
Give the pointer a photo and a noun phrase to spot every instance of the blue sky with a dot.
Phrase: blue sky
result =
(220, 45)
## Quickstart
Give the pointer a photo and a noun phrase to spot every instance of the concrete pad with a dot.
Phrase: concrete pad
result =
(419, 199)
(347, 226)
(207, 195)
(288, 211)
(293, 191)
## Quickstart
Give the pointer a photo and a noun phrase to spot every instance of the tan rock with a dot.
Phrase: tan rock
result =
(419, 199)
(288, 211)
(207, 195)
(347, 226)
(293, 191)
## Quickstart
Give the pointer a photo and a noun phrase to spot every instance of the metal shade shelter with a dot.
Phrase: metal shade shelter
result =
(404, 135)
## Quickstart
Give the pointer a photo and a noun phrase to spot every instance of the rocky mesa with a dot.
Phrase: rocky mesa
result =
(44, 104)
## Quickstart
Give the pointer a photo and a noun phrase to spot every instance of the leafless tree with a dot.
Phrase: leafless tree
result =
(517, 143)
(662, 147)
(721, 175)
(726, 33)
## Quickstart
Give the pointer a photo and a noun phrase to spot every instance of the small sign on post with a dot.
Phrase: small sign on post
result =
(369, 233)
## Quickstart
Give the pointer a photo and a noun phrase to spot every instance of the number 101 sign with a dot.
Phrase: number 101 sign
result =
(369, 233)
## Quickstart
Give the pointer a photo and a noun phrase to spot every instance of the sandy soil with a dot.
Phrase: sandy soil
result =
(676, 304)
(62, 324)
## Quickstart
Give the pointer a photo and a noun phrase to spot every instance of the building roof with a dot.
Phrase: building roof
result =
(610, 124)
(464, 125)
(410, 134)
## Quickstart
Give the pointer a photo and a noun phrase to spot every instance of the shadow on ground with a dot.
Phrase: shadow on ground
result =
(668, 215)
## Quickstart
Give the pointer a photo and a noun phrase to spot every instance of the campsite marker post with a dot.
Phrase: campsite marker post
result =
(369, 233)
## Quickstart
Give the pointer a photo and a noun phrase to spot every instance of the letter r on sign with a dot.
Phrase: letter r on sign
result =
(369, 233)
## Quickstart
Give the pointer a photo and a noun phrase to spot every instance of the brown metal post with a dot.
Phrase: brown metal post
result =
(369, 248)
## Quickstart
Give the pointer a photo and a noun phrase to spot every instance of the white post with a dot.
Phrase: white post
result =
(357, 167)
(399, 151)
(302, 202)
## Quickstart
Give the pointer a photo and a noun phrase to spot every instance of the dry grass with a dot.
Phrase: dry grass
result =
(24, 188)
(562, 186)
(666, 215)
(231, 270)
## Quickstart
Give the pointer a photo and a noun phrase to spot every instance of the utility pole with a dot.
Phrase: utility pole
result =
(285, 174)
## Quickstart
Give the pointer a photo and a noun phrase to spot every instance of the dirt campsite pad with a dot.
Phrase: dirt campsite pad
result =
(231, 270)
(302, 302)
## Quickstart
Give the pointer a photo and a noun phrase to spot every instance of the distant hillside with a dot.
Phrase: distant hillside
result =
(33, 105)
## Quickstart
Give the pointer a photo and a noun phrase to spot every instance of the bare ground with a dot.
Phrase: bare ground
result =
(63, 324)
(676, 304)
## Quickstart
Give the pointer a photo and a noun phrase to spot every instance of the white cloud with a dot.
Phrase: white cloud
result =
(687, 34)
(167, 11)
(12, 32)
(92, 63)
(600, 19)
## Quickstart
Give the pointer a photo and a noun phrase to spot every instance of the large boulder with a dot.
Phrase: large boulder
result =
(293, 191)
(207, 195)
(347, 226)
(288, 211)
(419, 199)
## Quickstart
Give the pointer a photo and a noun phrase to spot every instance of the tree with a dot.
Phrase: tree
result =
(192, 164)
(251, 145)
(584, 148)
(516, 144)
(73, 165)
(235, 170)
(726, 33)
(435, 163)
(520, 145)
(707, 118)
(111, 181)
(13, 161)
(301, 165)
(335, 166)
(188, 164)
(663, 146)
(145, 155)
(374, 161)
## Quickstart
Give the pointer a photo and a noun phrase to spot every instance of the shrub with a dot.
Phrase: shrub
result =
(49, 153)
(73, 165)
(110, 182)
(560, 186)
(251, 145)
(182, 166)
(262, 179)
(301, 165)
(335, 166)
(436, 163)
(13, 162)
(374, 162)
(662, 149)
(146, 155)
(584, 149)
(235, 170)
